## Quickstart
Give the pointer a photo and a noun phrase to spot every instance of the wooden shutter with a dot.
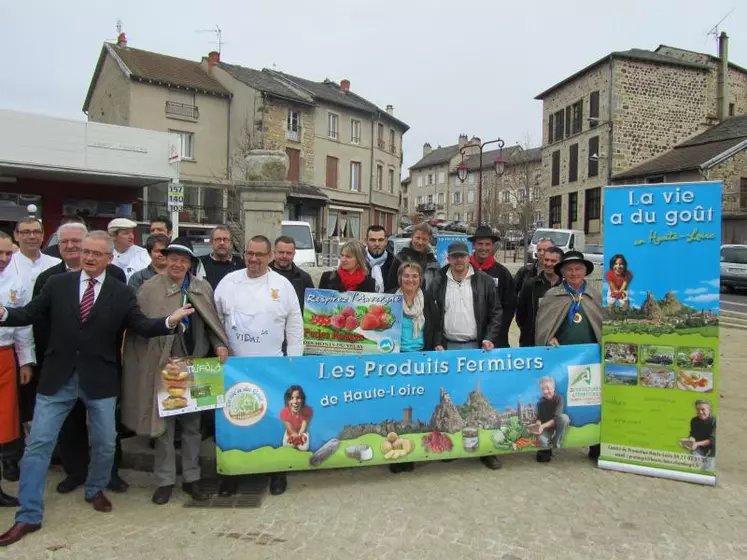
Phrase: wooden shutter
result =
(294, 167)
(549, 130)
(573, 163)
(331, 172)
(594, 107)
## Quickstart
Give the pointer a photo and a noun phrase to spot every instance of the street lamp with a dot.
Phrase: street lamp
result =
(499, 167)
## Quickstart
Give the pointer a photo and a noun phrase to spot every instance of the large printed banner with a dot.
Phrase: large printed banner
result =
(351, 322)
(661, 358)
(314, 412)
(442, 246)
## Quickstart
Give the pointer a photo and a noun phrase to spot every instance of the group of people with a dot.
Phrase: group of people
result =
(88, 332)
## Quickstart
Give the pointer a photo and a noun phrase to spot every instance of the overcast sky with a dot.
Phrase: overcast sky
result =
(446, 66)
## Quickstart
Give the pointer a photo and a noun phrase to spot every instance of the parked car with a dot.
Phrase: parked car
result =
(566, 239)
(733, 267)
(459, 227)
(595, 254)
(513, 238)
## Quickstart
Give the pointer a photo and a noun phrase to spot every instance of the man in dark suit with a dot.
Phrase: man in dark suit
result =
(86, 311)
(73, 439)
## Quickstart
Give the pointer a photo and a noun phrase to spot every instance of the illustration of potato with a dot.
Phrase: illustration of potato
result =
(395, 447)
(386, 447)
(390, 455)
(391, 437)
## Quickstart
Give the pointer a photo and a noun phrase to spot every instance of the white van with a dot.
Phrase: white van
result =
(566, 239)
(305, 246)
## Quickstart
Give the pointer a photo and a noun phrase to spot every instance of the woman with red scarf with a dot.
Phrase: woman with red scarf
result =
(352, 274)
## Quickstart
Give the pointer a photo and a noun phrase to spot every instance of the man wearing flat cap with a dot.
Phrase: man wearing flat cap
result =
(127, 256)
(483, 258)
(470, 309)
(570, 313)
(144, 360)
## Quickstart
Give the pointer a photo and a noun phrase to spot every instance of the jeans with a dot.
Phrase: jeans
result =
(49, 414)
(453, 345)
(553, 437)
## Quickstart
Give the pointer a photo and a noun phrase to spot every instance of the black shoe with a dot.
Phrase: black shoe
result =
(7, 501)
(194, 490)
(11, 473)
(595, 451)
(278, 484)
(70, 483)
(544, 455)
(116, 484)
(492, 462)
(162, 495)
(229, 485)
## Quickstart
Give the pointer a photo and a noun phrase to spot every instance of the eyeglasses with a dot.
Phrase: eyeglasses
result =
(27, 232)
(252, 255)
(95, 254)
(222, 239)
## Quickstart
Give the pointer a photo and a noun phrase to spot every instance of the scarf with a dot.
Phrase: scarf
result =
(375, 264)
(487, 265)
(415, 312)
(351, 280)
(185, 297)
(576, 297)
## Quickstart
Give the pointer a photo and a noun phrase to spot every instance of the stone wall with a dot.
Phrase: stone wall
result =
(731, 172)
(110, 101)
(275, 117)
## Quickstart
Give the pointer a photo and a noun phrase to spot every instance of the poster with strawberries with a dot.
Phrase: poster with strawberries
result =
(351, 322)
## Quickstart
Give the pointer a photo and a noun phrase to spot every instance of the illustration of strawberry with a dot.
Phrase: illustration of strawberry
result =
(370, 322)
(348, 312)
(338, 321)
(351, 323)
(376, 309)
(386, 321)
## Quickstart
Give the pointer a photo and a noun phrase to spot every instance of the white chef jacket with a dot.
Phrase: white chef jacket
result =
(259, 314)
(28, 271)
(133, 259)
(14, 293)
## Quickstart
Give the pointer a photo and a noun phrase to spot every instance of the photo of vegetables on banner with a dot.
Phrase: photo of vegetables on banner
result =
(190, 385)
(313, 412)
(351, 322)
(660, 334)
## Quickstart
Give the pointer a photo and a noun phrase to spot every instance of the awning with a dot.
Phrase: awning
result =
(346, 208)
(10, 173)
(303, 190)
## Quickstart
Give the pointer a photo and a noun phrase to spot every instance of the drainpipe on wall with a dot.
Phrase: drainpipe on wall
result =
(722, 82)
(372, 171)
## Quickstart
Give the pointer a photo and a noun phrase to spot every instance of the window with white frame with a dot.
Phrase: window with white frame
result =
(379, 177)
(457, 198)
(440, 198)
(506, 196)
(430, 199)
(293, 126)
(471, 178)
(391, 181)
(187, 140)
(333, 121)
(456, 216)
(420, 200)
(430, 178)
(471, 197)
(355, 176)
(470, 217)
(355, 131)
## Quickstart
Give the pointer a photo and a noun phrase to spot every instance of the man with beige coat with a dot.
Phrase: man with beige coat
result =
(145, 359)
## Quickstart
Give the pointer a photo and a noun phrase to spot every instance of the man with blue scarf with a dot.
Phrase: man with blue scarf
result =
(570, 313)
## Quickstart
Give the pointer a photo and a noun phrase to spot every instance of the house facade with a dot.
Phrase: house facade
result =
(141, 89)
(620, 111)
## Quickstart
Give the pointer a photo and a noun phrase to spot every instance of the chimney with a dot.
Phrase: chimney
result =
(462, 140)
(722, 81)
(121, 40)
(390, 109)
(213, 59)
(427, 149)
(345, 85)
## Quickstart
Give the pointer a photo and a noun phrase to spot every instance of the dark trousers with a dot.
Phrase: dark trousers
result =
(73, 444)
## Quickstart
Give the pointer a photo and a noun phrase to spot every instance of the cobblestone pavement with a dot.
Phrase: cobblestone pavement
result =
(567, 509)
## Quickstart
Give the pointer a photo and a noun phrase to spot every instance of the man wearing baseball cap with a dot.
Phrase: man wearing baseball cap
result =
(127, 256)
(470, 310)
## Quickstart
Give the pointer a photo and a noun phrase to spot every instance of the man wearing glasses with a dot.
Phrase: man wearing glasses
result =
(86, 311)
(29, 262)
(259, 309)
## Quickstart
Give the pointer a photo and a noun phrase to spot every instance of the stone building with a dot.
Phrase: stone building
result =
(718, 153)
(622, 110)
(137, 88)
(344, 152)
(435, 191)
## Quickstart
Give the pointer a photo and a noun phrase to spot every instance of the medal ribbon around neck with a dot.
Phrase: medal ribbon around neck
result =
(574, 315)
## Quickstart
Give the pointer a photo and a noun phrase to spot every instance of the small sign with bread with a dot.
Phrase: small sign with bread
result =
(190, 385)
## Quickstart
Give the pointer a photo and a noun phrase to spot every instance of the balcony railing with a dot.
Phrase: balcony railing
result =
(191, 214)
(393, 148)
(427, 207)
(182, 110)
(381, 144)
(294, 135)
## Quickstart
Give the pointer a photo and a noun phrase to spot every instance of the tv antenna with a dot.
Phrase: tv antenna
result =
(218, 36)
(119, 26)
(714, 30)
